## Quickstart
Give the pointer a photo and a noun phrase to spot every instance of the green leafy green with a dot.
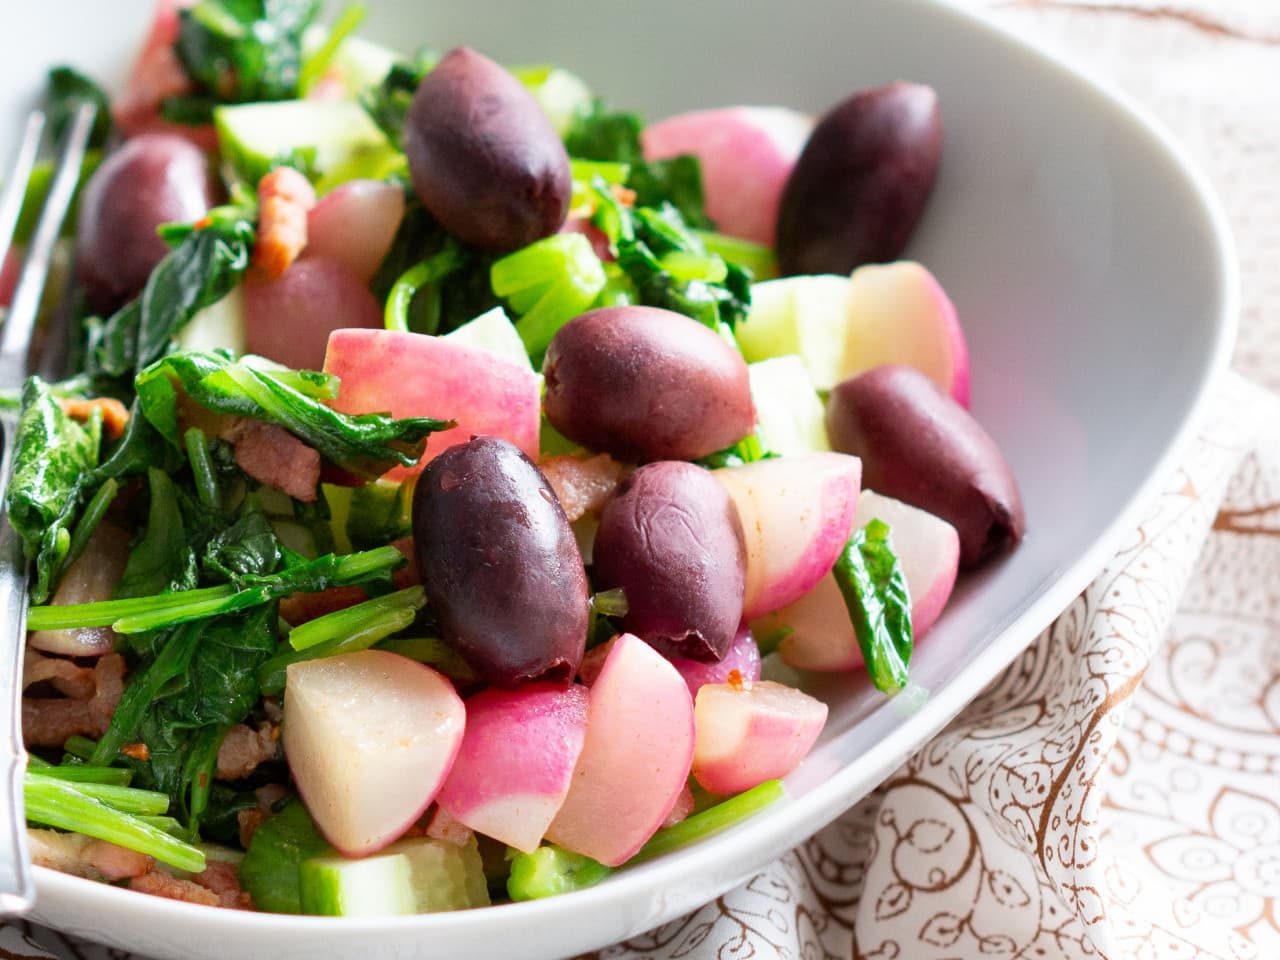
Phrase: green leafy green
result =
(163, 560)
(601, 134)
(68, 89)
(52, 456)
(206, 265)
(874, 587)
(365, 446)
(269, 871)
(747, 450)
(315, 65)
(388, 103)
(379, 513)
(239, 51)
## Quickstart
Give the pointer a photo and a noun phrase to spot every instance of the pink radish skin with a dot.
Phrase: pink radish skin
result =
(369, 737)
(743, 656)
(750, 733)
(414, 375)
(355, 225)
(516, 761)
(796, 515)
(822, 638)
(746, 154)
(289, 319)
(899, 313)
(636, 757)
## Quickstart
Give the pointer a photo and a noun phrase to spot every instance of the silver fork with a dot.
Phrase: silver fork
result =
(17, 886)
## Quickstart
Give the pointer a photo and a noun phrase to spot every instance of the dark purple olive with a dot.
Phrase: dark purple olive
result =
(485, 159)
(860, 185)
(672, 540)
(644, 384)
(499, 563)
(152, 179)
(919, 445)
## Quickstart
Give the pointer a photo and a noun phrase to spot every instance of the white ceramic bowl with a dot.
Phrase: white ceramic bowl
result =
(1091, 269)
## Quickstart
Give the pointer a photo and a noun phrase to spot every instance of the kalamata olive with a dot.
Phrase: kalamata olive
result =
(920, 446)
(152, 179)
(499, 564)
(485, 159)
(671, 539)
(860, 185)
(643, 384)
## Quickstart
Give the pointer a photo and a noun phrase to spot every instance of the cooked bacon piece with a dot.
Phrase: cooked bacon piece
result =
(115, 415)
(67, 677)
(48, 722)
(160, 884)
(284, 197)
(274, 457)
(221, 878)
(583, 486)
(83, 856)
(298, 608)
(244, 748)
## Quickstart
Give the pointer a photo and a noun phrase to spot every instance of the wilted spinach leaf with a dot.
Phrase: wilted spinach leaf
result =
(875, 592)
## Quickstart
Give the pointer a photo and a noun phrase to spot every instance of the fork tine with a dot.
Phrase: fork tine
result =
(15, 339)
(15, 188)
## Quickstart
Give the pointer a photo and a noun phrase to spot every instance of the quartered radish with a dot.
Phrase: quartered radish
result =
(635, 759)
(796, 515)
(752, 732)
(415, 375)
(355, 225)
(369, 737)
(516, 761)
(817, 632)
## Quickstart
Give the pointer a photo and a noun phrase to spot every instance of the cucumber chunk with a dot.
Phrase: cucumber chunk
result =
(346, 142)
(790, 419)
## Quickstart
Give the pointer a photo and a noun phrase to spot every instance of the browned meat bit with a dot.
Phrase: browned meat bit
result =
(298, 608)
(115, 415)
(583, 486)
(274, 457)
(284, 197)
(66, 676)
(244, 748)
(83, 856)
(216, 886)
(48, 722)
(137, 751)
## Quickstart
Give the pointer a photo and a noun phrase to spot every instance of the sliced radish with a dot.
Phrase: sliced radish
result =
(898, 313)
(750, 733)
(635, 759)
(289, 319)
(414, 375)
(516, 761)
(796, 515)
(746, 154)
(355, 225)
(818, 633)
(369, 737)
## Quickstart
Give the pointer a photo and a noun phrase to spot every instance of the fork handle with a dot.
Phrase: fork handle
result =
(17, 883)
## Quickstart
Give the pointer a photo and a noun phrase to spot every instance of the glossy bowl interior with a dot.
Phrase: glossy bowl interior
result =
(1095, 281)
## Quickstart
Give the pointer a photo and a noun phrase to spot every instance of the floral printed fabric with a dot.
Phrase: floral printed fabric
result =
(1114, 794)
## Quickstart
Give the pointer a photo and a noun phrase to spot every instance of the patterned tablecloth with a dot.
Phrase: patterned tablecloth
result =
(1114, 794)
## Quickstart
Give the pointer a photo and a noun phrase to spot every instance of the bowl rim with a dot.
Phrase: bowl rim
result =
(718, 855)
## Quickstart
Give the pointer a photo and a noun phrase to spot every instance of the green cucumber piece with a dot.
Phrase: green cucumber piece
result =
(347, 144)
(377, 886)
(790, 419)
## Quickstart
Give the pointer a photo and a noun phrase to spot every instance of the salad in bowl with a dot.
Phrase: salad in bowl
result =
(456, 477)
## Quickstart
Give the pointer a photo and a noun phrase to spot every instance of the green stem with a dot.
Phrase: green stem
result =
(314, 67)
(94, 511)
(80, 772)
(202, 467)
(54, 803)
(271, 675)
(124, 799)
(431, 270)
(351, 620)
(712, 820)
